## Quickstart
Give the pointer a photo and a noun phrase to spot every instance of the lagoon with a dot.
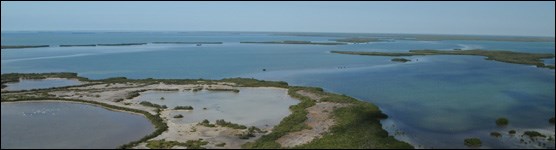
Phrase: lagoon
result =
(54, 125)
(41, 84)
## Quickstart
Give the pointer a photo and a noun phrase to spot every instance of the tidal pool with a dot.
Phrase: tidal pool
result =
(54, 125)
(260, 107)
(41, 84)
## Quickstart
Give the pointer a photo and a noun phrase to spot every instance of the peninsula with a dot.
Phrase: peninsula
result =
(320, 119)
(496, 55)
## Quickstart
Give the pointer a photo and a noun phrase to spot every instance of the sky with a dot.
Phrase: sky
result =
(475, 18)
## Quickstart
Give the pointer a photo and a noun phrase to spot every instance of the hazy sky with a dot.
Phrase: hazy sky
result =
(484, 18)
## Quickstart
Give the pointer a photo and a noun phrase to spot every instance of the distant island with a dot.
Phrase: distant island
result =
(358, 40)
(422, 37)
(496, 55)
(187, 42)
(90, 45)
(295, 42)
(22, 46)
(121, 44)
(400, 59)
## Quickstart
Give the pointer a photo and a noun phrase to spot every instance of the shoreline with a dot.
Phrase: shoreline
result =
(107, 92)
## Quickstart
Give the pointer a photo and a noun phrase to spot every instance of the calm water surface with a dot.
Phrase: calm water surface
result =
(40, 84)
(436, 101)
(54, 125)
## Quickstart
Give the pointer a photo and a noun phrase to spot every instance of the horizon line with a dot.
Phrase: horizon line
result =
(115, 30)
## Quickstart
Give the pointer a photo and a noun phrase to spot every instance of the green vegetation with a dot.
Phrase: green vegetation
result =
(16, 77)
(220, 145)
(400, 59)
(244, 82)
(551, 120)
(496, 55)
(121, 44)
(512, 132)
(358, 40)
(473, 142)
(22, 46)
(206, 123)
(425, 37)
(229, 124)
(495, 134)
(178, 116)
(533, 134)
(295, 42)
(292, 123)
(502, 122)
(183, 108)
(231, 90)
(83, 45)
(149, 104)
(357, 125)
(187, 42)
(195, 144)
(163, 144)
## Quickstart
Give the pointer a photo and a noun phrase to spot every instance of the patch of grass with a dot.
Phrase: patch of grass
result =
(206, 123)
(533, 134)
(223, 123)
(220, 145)
(224, 90)
(357, 127)
(292, 123)
(502, 122)
(512, 132)
(163, 144)
(178, 116)
(400, 59)
(473, 142)
(496, 55)
(495, 134)
(245, 82)
(183, 108)
(149, 104)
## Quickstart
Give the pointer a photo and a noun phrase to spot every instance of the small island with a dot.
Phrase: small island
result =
(79, 45)
(358, 40)
(296, 42)
(400, 60)
(496, 55)
(122, 44)
(187, 42)
(22, 46)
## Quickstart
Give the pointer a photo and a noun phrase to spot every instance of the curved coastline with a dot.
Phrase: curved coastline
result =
(356, 117)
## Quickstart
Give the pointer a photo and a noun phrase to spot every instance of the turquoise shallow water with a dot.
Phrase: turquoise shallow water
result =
(54, 125)
(437, 101)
